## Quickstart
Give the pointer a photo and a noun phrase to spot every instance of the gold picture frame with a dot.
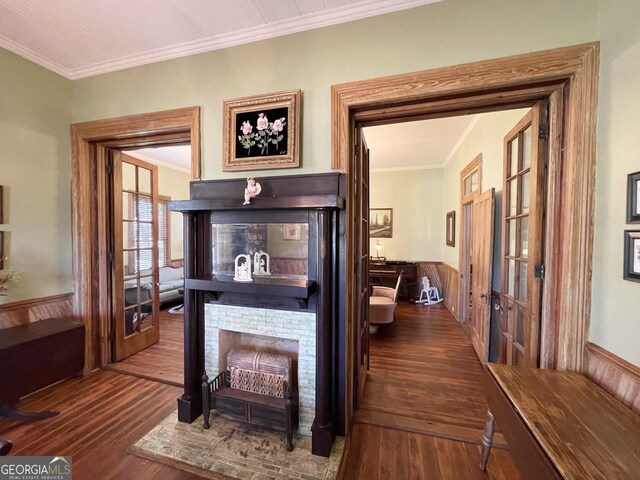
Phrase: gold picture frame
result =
(261, 132)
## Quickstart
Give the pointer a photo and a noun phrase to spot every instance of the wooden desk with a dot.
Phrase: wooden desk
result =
(561, 425)
(387, 274)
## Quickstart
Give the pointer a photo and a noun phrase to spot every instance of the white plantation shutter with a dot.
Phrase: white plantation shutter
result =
(164, 246)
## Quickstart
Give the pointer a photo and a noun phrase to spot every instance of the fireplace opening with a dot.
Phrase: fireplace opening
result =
(248, 341)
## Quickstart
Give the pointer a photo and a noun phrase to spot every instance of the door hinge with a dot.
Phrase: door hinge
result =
(110, 256)
(539, 271)
(109, 168)
(544, 132)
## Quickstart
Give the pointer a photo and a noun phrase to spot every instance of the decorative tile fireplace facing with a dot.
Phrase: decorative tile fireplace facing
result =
(293, 325)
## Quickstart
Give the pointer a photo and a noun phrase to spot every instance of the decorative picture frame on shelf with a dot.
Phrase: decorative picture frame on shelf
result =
(632, 255)
(291, 231)
(381, 223)
(451, 228)
(261, 132)
(633, 198)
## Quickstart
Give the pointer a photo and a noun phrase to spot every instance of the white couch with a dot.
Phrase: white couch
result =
(171, 280)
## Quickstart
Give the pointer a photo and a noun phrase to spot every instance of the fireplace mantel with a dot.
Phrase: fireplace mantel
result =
(316, 199)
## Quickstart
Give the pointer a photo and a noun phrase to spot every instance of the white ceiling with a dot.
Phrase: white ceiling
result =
(417, 145)
(176, 156)
(81, 38)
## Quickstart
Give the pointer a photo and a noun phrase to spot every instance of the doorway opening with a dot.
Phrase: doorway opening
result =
(420, 172)
(92, 146)
(518, 81)
(147, 268)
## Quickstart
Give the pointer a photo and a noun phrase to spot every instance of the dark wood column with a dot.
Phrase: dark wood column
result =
(190, 402)
(322, 428)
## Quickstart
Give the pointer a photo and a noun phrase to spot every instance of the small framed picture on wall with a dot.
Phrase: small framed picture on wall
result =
(451, 228)
(633, 198)
(632, 255)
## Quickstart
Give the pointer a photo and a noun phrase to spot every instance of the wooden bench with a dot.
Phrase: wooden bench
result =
(33, 356)
(561, 425)
(254, 391)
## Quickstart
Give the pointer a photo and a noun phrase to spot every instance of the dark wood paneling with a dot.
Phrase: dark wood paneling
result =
(18, 313)
(614, 374)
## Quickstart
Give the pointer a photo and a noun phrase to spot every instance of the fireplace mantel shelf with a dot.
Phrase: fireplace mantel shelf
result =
(279, 287)
(259, 203)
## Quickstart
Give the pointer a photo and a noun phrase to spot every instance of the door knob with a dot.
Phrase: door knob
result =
(483, 295)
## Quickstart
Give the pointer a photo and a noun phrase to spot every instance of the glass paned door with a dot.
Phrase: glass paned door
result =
(522, 226)
(135, 259)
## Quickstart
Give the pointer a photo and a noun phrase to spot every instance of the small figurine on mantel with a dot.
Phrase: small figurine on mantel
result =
(253, 189)
(261, 263)
(243, 269)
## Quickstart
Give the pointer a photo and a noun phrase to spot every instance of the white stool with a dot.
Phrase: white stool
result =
(429, 295)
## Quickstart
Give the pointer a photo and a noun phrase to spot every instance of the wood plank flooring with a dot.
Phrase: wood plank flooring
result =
(429, 365)
(427, 375)
(162, 361)
(101, 415)
(423, 409)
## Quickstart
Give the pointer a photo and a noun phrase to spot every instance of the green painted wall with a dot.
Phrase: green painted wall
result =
(35, 169)
(37, 106)
(615, 317)
(418, 218)
(445, 33)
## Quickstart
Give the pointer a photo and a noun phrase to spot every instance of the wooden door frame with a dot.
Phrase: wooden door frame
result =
(463, 303)
(568, 76)
(89, 144)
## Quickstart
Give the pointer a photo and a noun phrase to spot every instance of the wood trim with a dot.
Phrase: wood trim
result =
(32, 310)
(475, 164)
(172, 126)
(499, 83)
(446, 278)
(502, 82)
(614, 374)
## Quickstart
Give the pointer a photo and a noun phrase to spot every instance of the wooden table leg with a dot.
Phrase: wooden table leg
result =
(487, 441)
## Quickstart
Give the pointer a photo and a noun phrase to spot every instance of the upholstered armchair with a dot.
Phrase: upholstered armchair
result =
(382, 304)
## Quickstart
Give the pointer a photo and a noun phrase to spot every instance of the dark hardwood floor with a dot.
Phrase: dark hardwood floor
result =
(162, 361)
(423, 410)
(428, 366)
(101, 415)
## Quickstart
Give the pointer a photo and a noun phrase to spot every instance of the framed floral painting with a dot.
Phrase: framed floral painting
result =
(262, 132)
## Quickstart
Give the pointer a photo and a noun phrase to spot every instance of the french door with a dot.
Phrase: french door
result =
(135, 302)
(525, 153)
(482, 261)
(361, 229)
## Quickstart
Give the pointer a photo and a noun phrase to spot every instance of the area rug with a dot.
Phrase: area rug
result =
(232, 449)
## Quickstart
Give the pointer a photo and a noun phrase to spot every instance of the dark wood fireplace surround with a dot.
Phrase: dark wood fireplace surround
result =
(317, 199)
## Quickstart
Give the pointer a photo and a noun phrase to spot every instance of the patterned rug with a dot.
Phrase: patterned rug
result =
(231, 449)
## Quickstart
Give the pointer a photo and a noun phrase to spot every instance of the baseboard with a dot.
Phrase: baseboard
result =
(614, 374)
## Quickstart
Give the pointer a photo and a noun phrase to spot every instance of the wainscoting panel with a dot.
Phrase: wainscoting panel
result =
(27, 311)
(617, 376)
(446, 278)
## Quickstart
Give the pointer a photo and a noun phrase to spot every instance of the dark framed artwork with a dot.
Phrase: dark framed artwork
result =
(261, 132)
(451, 228)
(633, 198)
(1, 205)
(380, 222)
(632, 255)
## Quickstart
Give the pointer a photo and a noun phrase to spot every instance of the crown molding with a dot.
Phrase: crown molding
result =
(312, 21)
(30, 55)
